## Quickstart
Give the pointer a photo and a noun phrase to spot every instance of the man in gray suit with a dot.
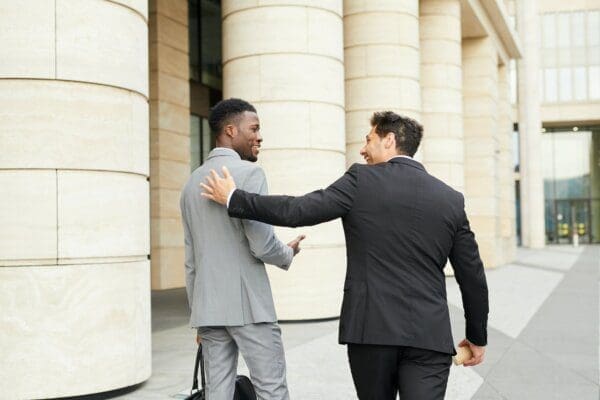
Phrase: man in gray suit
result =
(227, 285)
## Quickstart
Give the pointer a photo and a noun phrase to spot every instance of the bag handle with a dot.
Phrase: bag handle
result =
(199, 361)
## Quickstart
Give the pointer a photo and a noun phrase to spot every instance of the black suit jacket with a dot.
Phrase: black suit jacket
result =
(401, 225)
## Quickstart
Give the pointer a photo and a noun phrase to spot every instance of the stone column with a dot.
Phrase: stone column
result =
(169, 137)
(381, 49)
(74, 237)
(530, 127)
(480, 105)
(507, 182)
(291, 68)
(441, 91)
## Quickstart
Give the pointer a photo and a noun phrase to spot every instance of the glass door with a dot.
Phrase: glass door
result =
(573, 220)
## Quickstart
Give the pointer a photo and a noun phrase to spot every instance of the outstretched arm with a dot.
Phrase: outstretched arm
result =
(263, 243)
(313, 208)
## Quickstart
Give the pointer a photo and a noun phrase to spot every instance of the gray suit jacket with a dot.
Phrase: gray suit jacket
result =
(226, 281)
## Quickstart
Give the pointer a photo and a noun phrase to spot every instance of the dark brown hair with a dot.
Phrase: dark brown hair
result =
(407, 131)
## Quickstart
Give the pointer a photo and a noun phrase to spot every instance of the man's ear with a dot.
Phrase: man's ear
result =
(390, 140)
(230, 130)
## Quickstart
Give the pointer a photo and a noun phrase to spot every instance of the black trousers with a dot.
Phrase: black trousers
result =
(380, 372)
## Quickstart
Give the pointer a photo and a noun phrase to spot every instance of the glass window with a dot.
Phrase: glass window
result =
(207, 139)
(210, 37)
(551, 84)
(201, 141)
(194, 39)
(595, 164)
(563, 32)
(595, 189)
(579, 83)
(550, 222)
(593, 28)
(571, 171)
(571, 164)
(594, 81)
(195, 129)
(565, 88)
(595, 217)
(578, 29)
(570, 40)
(548, 31)
(515, 152)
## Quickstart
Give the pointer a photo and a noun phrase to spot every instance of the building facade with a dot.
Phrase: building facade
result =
(569, 91)
(104, 108)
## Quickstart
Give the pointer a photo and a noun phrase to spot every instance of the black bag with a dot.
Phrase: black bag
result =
(198, 394)
(243, 386)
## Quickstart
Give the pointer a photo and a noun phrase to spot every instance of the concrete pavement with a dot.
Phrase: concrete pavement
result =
(543, 338)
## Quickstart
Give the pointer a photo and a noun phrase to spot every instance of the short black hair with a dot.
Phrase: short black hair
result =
(407, 131)
(225, 111)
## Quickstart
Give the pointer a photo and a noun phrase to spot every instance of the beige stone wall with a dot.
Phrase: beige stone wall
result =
(480, 102)
(570, 113)
(169, 137)
(292, 70)
(381, 60)
(74, 237)
(441, 91)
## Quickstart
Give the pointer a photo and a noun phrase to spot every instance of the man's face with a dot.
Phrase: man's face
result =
(248, 140)
(374, 150)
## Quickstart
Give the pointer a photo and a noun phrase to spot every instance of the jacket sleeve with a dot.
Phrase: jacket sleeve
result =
(469, 273)
(263, 243)
(313, 208)
(190, 265)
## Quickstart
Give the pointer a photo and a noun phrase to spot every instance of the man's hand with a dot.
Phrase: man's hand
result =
(295, 244)
(198, 339)
(217, 188)
(478, 353)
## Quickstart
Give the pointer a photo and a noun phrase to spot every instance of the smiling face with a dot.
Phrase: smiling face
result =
(376, 149)
(247, 139)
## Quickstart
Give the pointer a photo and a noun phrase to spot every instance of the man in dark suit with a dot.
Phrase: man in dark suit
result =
(401, 226)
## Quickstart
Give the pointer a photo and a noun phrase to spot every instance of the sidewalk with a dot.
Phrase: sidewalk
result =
(543, 338)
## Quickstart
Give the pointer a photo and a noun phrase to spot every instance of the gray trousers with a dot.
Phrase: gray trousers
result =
(262, 349)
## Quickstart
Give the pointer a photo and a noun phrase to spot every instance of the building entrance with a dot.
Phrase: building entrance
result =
(573, 221)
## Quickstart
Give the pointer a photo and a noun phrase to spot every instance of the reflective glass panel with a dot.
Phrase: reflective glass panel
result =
(566, 88)
(548, 31)
(564, 31)
(594, 82)
(579, 83)
(571, 165)
(210, 36)
(195, 159)
(550, 84)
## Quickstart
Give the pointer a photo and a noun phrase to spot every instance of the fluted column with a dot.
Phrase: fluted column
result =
(441, 90)
(291, 68)
(480, 105)
(381, 48)
(530, 127)
(506, 176)
(74, 237)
